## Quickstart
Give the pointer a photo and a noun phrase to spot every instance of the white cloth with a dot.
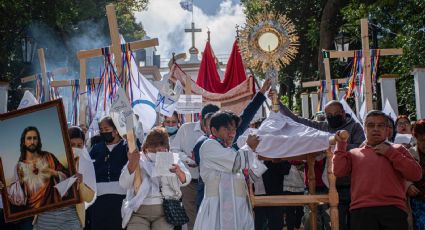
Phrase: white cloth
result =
(348, 110)
(294, 181)
(86, 168)
(112, 187)
(184, 142)
(388, 109)
(144, 97)
(149, 193)
(403, 138)
(227, 208)
(27, 100)
(280, 137)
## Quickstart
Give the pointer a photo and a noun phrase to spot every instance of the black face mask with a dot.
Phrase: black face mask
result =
(335, 121)
(107, 136)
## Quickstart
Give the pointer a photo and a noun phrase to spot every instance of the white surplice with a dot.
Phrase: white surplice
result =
(226, 201)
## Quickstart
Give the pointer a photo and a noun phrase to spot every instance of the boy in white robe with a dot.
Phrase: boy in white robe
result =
(226, 201)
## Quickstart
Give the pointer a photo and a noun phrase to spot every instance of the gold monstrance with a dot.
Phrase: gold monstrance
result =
(268, 42)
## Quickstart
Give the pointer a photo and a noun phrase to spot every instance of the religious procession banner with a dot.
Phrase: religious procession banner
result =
(234, 100)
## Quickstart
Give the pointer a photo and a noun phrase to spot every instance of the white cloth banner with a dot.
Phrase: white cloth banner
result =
(348, 110)
(64, 185)
(281, 137)
(27, 100)
(166, 105)
(388, 109)
(86, 168)
(144, 97)
(362, 113)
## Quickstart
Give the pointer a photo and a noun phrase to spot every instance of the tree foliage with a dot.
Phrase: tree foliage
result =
(63, 19)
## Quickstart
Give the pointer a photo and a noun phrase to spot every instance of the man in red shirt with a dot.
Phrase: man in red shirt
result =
(378, 172)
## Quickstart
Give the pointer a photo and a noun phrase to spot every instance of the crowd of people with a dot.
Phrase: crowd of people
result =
(379, 171)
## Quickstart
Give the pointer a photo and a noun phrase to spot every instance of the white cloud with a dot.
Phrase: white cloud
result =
(166, 20)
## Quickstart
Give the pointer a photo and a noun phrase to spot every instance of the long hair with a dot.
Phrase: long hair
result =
(23, 149)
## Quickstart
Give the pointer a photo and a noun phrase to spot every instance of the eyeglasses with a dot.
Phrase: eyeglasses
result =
(403, 123)
(376, 125)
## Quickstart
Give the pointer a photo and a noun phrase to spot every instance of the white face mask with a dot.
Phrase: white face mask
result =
(77, 152)
(151, 156)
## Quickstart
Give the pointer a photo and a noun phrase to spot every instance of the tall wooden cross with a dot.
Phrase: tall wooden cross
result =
(367, 61)
(82, 55)
(43, 69)
(193, 30)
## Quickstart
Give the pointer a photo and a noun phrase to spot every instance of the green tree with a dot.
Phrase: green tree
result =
(63, 20)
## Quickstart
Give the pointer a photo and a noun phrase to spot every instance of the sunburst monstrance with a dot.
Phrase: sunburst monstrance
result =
(268, 39)
(269, 42)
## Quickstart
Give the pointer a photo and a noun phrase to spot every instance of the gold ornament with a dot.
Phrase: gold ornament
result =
(268, 40)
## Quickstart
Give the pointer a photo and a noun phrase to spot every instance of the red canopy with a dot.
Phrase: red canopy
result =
(208, 77)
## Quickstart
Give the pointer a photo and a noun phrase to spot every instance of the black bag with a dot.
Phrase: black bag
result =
(175, 214)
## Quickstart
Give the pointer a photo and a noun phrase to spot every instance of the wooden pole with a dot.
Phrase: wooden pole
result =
(115, 37)
(33, 77)
(311, 158)
(83, 96)
(366, 66)
(188, 92)
(328, 79)
(333, 194)
(367, 61)
(42, 61)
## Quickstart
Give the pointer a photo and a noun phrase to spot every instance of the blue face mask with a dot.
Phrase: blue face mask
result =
(171, 129)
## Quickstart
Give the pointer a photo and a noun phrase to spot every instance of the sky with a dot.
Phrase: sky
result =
(166, 20)
(47, 123)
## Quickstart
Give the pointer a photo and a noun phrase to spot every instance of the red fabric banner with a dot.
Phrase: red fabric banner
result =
(208, 77)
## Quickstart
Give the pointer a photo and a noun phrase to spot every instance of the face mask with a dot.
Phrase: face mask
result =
(77, 152)
(335, 121)
(151, 156)
(171, 129)
(107, 136)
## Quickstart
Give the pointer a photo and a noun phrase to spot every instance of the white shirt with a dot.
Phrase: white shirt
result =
(184, 142)
(148, 193)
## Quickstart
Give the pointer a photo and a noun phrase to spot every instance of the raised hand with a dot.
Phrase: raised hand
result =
(382, 148)
(413, 191)
(79, 177)
(266, 86)
(51, 172)
(179, 172)
(133, 160)
(253, 141)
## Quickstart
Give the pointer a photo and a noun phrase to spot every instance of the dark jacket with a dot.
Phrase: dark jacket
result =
(108, 165)
(355, 130)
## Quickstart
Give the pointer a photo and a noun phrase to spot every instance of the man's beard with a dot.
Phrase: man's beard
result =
(31, 148)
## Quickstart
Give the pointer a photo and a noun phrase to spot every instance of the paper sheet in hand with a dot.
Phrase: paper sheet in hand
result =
(163, 163)
(63, 186)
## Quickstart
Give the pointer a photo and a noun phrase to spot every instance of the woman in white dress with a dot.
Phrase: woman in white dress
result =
(226, 201)
(143, 209)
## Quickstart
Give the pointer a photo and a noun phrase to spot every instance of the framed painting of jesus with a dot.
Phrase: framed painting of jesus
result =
(36, 161)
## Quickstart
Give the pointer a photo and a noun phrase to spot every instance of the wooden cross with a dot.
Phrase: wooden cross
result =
(42, 60)
(193, 30)
(82, 55)
(367, 62)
